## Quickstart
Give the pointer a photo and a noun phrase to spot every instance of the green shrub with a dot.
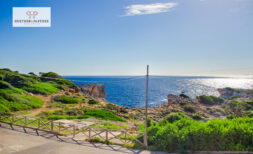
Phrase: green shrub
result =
(197, 116)
(93, 101)
(215, 135)
(189, 108)
(1, 77)
(15, 101)
(4, 85)
(237, 109)
(184, 95)
(67, 99)
(210, 100)
(174, 117)
(49, 75)
(4, 109)
(42, 88)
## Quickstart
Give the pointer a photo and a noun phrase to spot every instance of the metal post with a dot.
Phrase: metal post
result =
(146, 111)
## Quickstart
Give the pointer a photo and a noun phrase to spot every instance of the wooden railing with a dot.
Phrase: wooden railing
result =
(86, 133)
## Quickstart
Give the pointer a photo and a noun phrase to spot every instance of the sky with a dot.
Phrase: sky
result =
(120, 37)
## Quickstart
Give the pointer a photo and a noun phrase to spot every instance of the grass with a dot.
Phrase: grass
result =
(67, 99)
(9, 98)
(55, 105)
(42, 88)
(81, 114)
(93, 102)
(108, 125)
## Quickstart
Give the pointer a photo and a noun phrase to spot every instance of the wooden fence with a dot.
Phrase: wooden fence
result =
(86, 133)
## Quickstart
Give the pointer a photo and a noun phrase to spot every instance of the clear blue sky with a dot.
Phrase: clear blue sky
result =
(119, 37)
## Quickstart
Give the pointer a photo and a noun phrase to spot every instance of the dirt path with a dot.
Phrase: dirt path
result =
(45, 100)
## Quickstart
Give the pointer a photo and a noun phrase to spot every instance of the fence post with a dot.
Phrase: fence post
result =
(52, 126)
(89, 133)
(106, 134)
(125, 136)
(74, 128)
(38, 123)
(25, 121)
(12, 119)
(59, 129)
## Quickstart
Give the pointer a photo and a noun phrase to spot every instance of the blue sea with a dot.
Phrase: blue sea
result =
(129, 91)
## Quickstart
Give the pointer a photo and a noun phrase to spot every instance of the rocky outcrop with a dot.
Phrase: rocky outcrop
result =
(94, 90)
(228, 92)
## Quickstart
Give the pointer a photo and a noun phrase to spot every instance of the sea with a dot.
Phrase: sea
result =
(130, 91)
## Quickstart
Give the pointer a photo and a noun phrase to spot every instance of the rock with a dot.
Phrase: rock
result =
(228, 92)
(94, 90)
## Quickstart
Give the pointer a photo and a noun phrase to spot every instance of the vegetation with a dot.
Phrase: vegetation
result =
(189, 108)
(178, 133)
(67, 99)
(42, 88)
(15, 100)
(210, 100)
(81, 114)
(238, 109)
(93, 102)
(108, 125)
(184, 95)
(14, 89)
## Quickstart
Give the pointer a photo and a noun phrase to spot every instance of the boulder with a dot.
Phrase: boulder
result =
(93, 90)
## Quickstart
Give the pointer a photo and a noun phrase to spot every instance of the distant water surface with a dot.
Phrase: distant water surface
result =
(129, 91)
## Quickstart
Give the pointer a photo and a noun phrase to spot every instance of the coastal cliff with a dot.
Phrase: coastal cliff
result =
(94, 90)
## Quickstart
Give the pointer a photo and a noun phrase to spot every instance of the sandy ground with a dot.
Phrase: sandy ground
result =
(16, 141)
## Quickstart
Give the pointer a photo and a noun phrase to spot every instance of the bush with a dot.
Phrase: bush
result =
(4, 109)
(92, 102)
(210, 100)
(197, 116)
(215, 135)
(184, 95)
(237, 109)
(49, 75)
(67, 100)
(17, 101)
(4, 85)
(189, 108)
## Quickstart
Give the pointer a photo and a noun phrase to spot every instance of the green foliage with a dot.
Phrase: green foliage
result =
(197, 116)
(184, 95)
(67, 99)
(210, 100)
(4, 85)
(1, 77)
(3, 109)
(81, 114)
(14, 101)
(101, 114)
(215, 135)
(49, 75)
(189, 108)
(237, 109)
(93, 101)
(42, 88)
